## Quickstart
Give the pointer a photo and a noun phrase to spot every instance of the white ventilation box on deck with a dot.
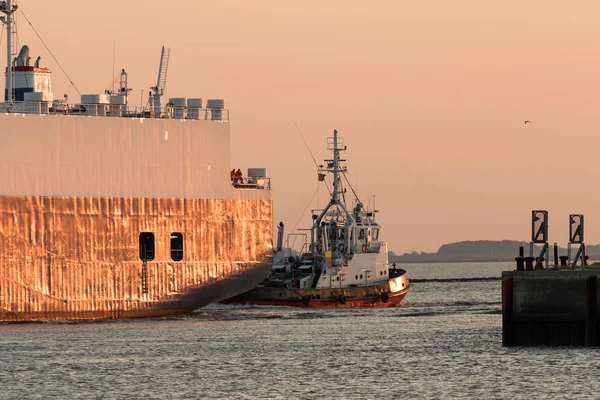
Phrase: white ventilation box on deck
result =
(178, 105)
(194, 103)
(215, 103)
(216, 107)
(117, 100)
(95, 99)
(257, 172)
(194, 106)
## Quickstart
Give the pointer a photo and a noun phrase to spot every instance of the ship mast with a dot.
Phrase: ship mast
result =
(8, 8)
(336, 155)
(335, 145)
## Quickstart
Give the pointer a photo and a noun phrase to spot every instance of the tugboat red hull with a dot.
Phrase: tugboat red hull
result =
(393, 300)
(388, 294)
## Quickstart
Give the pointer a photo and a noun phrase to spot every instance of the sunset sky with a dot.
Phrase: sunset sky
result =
(430, 97)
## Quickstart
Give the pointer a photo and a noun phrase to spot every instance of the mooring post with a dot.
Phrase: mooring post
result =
(529, 263)
(520, 263)
(556, 255)
(564, 261)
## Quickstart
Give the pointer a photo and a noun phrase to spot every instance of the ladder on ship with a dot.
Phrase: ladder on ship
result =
(144, 277)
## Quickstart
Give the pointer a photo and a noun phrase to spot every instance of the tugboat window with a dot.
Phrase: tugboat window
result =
(146, 246)
(176, 246)
(375, 234)
(361, 234)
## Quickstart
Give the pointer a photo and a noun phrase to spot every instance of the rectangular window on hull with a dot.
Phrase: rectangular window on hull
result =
(146, 246)
(176, 246)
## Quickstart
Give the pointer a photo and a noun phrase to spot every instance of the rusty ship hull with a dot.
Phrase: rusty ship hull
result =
(76, 192)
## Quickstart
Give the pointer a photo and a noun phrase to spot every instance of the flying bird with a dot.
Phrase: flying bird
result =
(527, 122)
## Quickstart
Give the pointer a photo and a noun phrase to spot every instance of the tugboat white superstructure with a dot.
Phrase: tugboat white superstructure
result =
(109, 211)
(344, 264)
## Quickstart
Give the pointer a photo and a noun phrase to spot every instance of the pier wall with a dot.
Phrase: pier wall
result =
(552, 308)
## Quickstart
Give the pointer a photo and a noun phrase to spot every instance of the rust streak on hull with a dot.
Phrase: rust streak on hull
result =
(78, 257)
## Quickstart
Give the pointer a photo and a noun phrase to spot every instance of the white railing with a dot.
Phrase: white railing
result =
(251, 183)
(113, 110)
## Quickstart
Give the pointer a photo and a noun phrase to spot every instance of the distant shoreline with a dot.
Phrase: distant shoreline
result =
(480, 251)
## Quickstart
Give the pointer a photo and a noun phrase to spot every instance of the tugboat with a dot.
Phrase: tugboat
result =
(343, 264)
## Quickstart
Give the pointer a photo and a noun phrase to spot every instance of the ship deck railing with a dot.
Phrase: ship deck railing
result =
(252, 183)
(112, 110)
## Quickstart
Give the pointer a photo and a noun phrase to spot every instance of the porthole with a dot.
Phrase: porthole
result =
(361, 276)
(176, 246)
(356, 277)
(338, 278)
(381, 273)
(146, 246)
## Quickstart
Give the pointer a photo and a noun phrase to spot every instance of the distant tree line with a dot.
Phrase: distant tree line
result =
(480, 250)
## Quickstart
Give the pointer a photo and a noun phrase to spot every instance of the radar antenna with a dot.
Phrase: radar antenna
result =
(157, 91)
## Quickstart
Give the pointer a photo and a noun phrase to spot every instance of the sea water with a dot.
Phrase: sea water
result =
(443, 341)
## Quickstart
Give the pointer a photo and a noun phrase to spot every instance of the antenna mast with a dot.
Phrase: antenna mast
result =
(336, 156)
(8, 9)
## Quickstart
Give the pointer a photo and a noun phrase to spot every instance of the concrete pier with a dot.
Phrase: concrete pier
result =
(551, 308)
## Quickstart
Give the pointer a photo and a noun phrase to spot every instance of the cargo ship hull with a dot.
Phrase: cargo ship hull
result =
(77, 193)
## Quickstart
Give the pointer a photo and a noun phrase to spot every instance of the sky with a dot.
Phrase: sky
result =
(430, 97)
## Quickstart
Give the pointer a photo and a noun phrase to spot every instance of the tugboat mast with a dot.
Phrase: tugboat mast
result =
(335, 145)
(8, 8)
(336, 156)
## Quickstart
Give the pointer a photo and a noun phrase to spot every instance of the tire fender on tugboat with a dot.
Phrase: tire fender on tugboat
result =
(364, 248)
(385, 296)
(341, 299)
(306, 300)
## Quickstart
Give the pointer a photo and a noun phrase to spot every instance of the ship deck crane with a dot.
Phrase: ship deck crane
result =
(157, 91)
